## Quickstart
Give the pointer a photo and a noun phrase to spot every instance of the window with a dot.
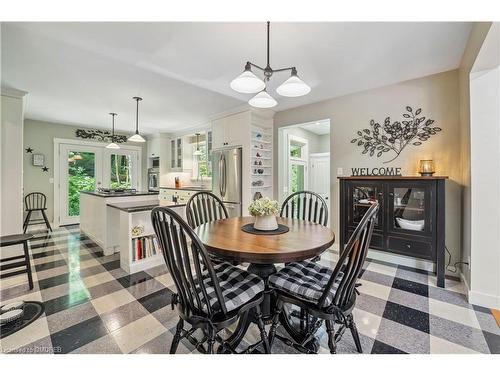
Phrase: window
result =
(295, 151)
(121, 166)
(298, 149)
(201, 163)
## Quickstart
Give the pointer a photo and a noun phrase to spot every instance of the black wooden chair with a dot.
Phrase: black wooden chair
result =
(204, 207)
(35, 202)
(209, 297)
(324, 294)
(305, 205)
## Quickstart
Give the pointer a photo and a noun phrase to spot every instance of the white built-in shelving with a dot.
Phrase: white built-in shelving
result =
(261, 160)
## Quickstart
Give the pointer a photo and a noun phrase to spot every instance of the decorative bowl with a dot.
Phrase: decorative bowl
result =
(411, 224)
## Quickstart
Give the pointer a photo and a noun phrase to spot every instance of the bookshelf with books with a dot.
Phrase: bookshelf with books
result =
(139, 249)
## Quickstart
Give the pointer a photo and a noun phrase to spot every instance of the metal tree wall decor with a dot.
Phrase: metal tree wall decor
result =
(100, 135)
(394, 137)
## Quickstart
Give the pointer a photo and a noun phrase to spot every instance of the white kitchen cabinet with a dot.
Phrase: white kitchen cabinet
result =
(231, 130)
(153, 147)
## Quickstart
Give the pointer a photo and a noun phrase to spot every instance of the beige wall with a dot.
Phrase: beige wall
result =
(437, 95)
(316, 143)
(476, 38)
(40, 136)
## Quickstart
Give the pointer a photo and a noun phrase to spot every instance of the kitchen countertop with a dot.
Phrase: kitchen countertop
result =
(190, 188)
(142, 206)
(113, 195)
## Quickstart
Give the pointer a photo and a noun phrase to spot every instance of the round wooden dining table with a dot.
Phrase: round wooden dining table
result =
(225, 239)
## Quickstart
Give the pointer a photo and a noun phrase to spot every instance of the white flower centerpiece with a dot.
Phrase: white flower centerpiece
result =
(264, 210)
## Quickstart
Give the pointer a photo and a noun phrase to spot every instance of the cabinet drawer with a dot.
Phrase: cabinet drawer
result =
(411, 247)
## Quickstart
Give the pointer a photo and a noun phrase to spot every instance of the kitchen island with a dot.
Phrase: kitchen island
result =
(100, 222)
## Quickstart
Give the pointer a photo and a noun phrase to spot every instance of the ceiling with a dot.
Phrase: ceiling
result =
(317, 127)
(75, 73)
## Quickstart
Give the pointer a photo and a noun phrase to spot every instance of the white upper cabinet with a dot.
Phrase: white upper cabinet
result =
(154, 147)
(231, 130)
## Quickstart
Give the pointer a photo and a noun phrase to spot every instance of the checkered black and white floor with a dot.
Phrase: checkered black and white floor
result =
(92, 306)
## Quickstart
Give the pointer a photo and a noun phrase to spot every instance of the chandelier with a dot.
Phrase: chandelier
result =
(248, 83)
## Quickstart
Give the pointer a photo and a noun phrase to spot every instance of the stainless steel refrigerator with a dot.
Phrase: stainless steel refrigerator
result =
(226, 178)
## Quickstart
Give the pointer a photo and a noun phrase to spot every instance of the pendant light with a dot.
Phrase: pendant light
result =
(113, 145)
(248, 83)
(293, 86)
(137, 137)
(197, 152)
(262, 100)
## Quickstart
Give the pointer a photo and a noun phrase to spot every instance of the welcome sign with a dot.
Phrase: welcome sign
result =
(382, 171)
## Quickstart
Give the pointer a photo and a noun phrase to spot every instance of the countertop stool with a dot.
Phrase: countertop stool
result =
(15, 262)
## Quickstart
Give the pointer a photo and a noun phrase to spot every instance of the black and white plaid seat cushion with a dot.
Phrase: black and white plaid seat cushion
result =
(238, 287)
(306, 280)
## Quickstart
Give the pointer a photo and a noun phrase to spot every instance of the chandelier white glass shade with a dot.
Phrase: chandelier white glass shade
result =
(248, 83)
(293, 86)
(263, 100)
(113, 145)
(137, 137)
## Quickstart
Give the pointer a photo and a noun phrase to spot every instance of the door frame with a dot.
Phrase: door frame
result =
(76, 142)
(62, 217)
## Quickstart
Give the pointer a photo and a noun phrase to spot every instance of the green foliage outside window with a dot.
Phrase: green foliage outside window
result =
(121, 166)
(203, 162)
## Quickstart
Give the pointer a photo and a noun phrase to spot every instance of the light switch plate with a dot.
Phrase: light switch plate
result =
(340, 171)
(51, 180)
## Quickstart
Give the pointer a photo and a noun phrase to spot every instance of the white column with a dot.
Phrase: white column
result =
(485, 174)
(12, 154)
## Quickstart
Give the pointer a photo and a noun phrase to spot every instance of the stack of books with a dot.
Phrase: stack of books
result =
(144, 247)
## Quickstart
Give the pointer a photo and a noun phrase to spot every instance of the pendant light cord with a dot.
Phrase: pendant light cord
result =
(113, 126)
(137, 117)
(268, 27)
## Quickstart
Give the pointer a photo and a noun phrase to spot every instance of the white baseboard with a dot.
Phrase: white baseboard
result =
(398, 259)
(481, 299)
(486, 300)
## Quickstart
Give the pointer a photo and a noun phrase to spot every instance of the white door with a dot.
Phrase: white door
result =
(80, 169)
(319, 181)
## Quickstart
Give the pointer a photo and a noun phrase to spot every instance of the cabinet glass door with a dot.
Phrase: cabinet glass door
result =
(172, 154)
(409, 207)
(179, 153)
(362, 196)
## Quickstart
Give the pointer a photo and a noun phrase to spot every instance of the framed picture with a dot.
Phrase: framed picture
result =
(38, 160)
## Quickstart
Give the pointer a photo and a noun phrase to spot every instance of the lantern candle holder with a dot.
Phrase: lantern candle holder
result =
(426, 168)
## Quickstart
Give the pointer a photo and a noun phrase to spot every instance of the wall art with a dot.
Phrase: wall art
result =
(394, 137)
(99, 135)
(38, 160)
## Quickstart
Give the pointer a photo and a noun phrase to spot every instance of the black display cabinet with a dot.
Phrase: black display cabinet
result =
(411, 216)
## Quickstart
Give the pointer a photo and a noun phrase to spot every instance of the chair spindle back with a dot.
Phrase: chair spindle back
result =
(189, 264)
(204, 207)
(305, 205)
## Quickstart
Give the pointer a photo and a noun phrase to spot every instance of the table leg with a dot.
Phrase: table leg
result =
(264, 271)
